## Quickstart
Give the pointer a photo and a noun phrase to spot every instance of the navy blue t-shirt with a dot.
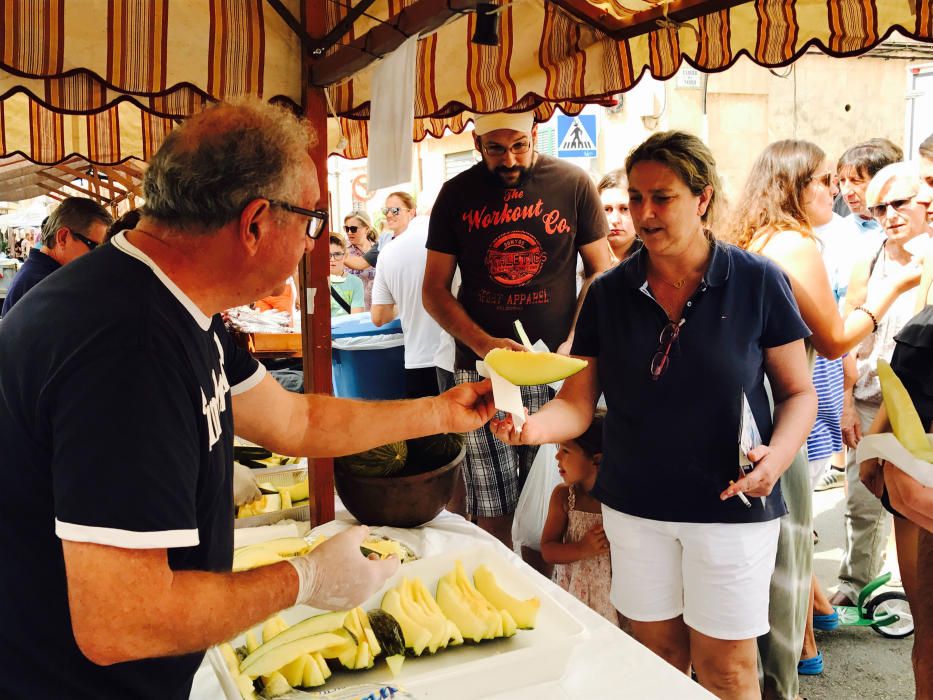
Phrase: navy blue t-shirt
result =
(37, 267)
(671, 446)
(117, 429)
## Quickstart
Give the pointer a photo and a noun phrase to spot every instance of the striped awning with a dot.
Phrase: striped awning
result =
(105, 80)
(555, 53)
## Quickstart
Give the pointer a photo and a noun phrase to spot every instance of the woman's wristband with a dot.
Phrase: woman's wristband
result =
(874, 320)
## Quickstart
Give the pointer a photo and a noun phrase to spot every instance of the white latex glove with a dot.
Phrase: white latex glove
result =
(336, 575)
(245, 489)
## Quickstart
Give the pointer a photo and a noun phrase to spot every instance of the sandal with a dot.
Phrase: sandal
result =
(826, 623)
(811, 667)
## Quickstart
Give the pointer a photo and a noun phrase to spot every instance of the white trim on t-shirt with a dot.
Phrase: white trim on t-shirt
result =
(126, 539)
(248, 383)
(124, 246)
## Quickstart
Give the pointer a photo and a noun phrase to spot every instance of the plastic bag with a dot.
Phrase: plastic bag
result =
(369, 342)
(531, 511)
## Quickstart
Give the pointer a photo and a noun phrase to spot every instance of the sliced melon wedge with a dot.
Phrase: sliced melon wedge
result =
(531, 368)
(523, 612)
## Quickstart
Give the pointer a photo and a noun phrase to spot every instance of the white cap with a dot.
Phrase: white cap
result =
(516, 121)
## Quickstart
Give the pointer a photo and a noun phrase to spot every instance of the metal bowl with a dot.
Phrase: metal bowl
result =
(398, 501)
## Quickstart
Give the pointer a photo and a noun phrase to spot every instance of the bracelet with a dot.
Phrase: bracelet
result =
(874, 320)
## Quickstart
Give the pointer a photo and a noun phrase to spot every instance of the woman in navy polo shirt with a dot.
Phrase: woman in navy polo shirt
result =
(680, 337)
(790, 188)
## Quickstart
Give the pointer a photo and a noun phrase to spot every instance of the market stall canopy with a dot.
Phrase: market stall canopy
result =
(546, 53)
(106, 80)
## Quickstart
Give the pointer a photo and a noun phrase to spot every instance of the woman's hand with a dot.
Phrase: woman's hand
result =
(505, 431)
(595, 542)
(908, 278)
(769, 464)
(871, 474)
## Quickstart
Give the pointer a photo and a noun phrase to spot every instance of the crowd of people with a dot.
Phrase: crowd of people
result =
(732, 350)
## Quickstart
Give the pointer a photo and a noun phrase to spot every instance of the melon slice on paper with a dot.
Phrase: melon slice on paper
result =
(530, 368)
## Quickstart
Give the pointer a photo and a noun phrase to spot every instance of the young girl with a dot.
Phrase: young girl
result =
(573, 537)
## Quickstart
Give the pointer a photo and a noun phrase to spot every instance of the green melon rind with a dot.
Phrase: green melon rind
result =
(385, 460)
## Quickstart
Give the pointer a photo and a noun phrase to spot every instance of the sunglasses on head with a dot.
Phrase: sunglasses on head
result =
(394, 211)
(880, 209)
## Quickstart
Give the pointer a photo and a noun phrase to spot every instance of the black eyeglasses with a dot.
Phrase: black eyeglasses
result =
(317, 218)
(338, 256)
(351, 229)
(91, 245)
(662, 357)
(879, 210)
(394, 211)
(497, 149)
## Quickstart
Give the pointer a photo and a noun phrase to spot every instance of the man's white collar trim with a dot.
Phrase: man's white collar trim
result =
(124, 246)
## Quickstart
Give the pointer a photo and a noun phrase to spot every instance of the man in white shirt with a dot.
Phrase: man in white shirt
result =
(397, 292)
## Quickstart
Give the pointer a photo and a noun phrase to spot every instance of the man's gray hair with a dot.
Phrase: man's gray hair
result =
(208, 169)
(76, 214)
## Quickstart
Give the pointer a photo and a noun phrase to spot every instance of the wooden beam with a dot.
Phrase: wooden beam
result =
(307, 42)
(645, 21)
(55, 195)
(421, 16)
(114, 190)
(341, 29)
(313, 274)
(46, 176)
(124, 179)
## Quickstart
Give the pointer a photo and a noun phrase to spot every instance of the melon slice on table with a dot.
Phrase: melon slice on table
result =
(530, 368)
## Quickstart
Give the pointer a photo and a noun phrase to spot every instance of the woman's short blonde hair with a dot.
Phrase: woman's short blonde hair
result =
(363, 218)
(881, 182)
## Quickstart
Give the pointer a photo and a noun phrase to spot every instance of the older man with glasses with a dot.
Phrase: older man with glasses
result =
(513, 224)
(118, 391)
(77, 226)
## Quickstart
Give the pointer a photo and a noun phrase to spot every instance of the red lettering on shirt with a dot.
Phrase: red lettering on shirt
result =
(554, 223)
(483, 218)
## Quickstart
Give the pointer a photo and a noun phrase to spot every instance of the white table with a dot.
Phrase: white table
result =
(607, 663)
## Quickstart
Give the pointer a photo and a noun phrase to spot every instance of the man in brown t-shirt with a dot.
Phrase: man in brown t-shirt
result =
(513, 224)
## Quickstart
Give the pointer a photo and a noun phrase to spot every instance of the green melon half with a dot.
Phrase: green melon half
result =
(530, 368)
(432, 452)
(384, 460)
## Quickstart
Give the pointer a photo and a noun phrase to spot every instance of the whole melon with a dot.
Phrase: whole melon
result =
(432, 452)
(385, 460)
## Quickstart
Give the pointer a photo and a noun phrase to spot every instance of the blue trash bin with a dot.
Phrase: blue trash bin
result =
(367, 362)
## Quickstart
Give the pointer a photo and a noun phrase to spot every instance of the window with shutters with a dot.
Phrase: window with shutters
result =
(456, 163)
(547, 140)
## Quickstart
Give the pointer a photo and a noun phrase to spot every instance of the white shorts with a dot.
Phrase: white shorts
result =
(818, 467)
(717, 575)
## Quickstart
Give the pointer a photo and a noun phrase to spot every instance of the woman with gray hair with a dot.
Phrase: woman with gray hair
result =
(892, 198)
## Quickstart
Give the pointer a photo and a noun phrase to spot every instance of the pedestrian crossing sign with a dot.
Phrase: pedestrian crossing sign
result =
(576, 136)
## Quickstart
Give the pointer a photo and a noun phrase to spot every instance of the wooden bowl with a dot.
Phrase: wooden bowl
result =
(398, 501)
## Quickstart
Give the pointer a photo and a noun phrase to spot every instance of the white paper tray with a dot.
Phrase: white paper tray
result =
(528, 658)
